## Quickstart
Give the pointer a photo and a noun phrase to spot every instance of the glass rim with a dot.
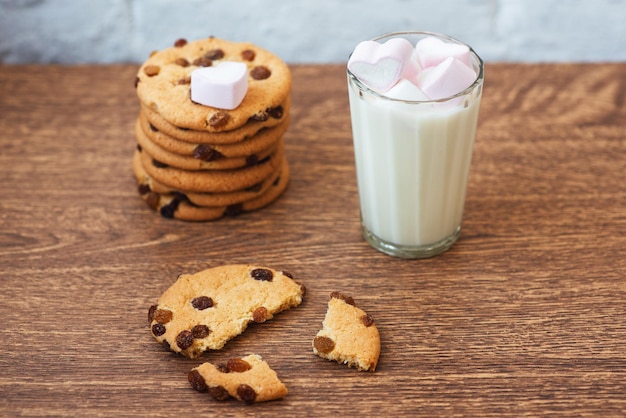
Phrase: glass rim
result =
(479, 77)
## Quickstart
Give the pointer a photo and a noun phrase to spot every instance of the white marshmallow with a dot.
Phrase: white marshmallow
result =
(380, 66)
(405, 90)
(432, 51)
(223, 86)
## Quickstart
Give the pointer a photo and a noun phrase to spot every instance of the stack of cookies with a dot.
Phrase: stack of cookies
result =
(196, 162)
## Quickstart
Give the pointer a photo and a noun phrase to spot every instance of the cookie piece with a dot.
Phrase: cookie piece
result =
(212, 181)
(146, 184)
(348, 335)
(259, 141)
(179, 206)
(210, 160)
(249, 379)
(274, 117)
(163, 83)
(203, 311)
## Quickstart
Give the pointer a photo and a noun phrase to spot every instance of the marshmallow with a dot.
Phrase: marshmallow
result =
(446, 79)
(223, 86)
(405, 90)
(380, 66)
(432, 51)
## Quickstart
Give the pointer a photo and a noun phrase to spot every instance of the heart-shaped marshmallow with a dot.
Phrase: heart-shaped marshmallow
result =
(378, 65)
(223, 86)
(432, 51)
(446, 79)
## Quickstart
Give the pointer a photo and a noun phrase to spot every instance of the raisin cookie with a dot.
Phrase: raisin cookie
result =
(207, 159)
(348, 335)
(163, 83)
(273, 117)
(146, 184)
(249, 379)
(260, 140)
(203, 311)
(179, 206)
(213, 181)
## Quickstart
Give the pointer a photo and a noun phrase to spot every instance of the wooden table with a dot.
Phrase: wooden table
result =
(525, 315)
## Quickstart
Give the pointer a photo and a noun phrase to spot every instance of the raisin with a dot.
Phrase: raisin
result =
(259, 315)
(219, 120)
(200, 331)
(251, 160)
(234, 209)
(197, 381)
(248, 55)
(341, 296)
(238, 365)
(153, 200)
(158, 164)
(222, 368)
(219, 393)
(182, 62)
(260, 72)
(264, 160)
(180, 43)
(202, 302)
(276, 112)
(180, 196)
(152, 70)
(184, 81)
(323, 344)
(151, 310)
(168, 211)
(259, 117)
(143, 189)
(263, 275)
(205, 152)
(202, 62)
(158, 330)
(367, 320)
(214, 54)
(162, 316)
(246, 393)
(184, 339)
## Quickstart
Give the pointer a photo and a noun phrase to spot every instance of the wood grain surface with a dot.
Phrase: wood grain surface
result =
(524, 316)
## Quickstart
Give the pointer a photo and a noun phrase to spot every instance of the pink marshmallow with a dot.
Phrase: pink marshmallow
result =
(432, 51)
(380, 66)
(223, 86)
(446, 79)
(411, 67)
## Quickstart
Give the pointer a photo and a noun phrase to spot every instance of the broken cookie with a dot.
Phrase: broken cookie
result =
(348, 335)
(249, 379)
(204, 310)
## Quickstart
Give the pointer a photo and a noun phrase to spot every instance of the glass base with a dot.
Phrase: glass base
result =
(406, 251)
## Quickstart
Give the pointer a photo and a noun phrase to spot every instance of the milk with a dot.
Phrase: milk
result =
(412, 164)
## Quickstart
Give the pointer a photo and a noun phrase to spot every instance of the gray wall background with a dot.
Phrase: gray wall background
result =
(314, 31)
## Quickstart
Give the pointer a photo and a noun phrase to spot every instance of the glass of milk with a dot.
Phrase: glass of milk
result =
(412, 162)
